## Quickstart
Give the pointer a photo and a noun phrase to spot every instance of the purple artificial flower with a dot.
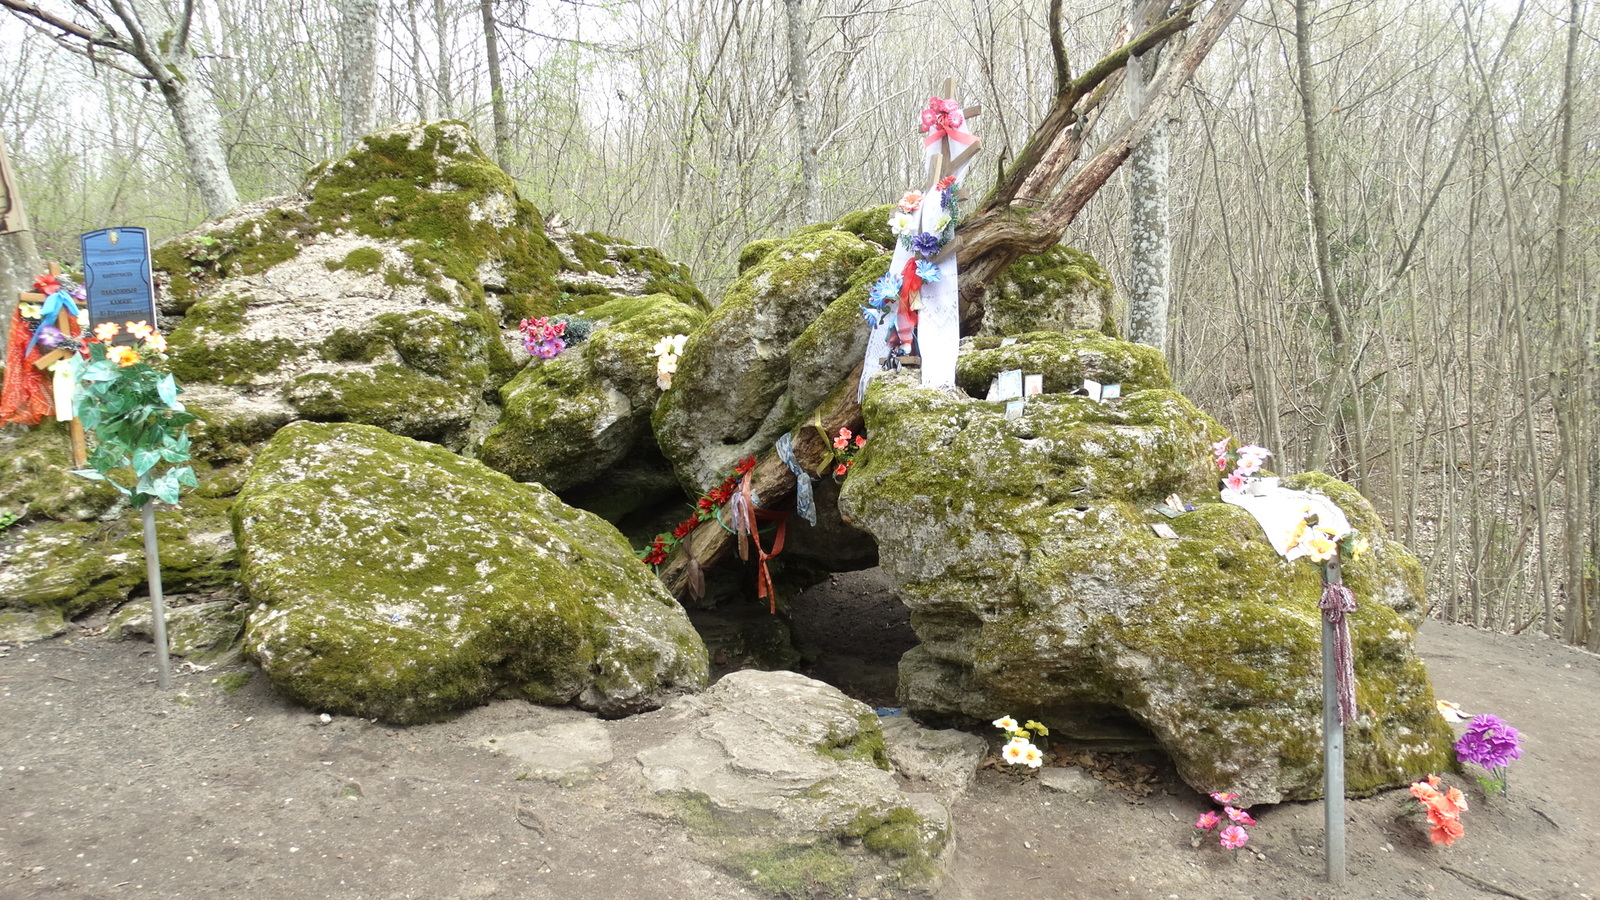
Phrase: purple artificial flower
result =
(549, 348)
(1490, 743)
(50, 337)
(926, 244)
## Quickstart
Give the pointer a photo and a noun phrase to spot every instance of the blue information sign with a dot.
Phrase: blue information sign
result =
(116, 276)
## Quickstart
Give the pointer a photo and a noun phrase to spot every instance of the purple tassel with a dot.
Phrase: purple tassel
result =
(1337, 603)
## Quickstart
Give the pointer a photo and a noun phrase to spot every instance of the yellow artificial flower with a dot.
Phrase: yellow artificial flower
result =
(1038, 728)
(123, 356)
(29, 310)
(1321, 549)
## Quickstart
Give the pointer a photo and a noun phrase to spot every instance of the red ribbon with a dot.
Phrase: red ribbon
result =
(751, 524)
(943, 119)
(905, 316)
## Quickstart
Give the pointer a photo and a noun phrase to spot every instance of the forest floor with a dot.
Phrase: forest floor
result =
(111, 788)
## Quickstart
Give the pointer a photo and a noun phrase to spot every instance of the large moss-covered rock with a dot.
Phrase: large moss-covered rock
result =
(70, 568)
(36, 479)
(791, 779)
(376, 295)
(786, 333)
(1061, 289)
(1038, 588)
(569, 419)
(397, 580)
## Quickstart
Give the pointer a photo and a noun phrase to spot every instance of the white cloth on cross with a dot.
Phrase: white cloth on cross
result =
(1280, 512)
(939, 320)
(65, 389)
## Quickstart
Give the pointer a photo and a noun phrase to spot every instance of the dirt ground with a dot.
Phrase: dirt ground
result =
(111, 788)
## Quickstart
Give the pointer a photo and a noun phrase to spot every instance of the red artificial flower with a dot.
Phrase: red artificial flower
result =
(861, 441)
(46, 284)
(655, 557)
(720, 494)
(946, 181)
(841, 468)
(685, 527)
(745, 465)
(704, 504)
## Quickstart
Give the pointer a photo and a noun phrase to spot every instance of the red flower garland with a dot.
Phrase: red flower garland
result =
(705, 509)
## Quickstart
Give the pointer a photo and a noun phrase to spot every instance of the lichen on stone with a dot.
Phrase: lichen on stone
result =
(396, 580)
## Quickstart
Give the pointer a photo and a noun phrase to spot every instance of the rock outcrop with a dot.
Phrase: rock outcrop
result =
(792, 776)
(786, 333)
(570, 419)
(1025, 551)
(393, 579)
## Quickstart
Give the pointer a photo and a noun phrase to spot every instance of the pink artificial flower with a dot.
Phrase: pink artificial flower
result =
(1207, 821)
(1225, 798)
(1233, 837)
(1235, 482)
(1239, 815)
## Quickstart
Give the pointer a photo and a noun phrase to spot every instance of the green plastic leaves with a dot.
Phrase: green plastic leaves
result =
(141, 440)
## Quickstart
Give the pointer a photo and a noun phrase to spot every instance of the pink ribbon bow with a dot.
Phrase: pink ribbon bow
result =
(943, 118)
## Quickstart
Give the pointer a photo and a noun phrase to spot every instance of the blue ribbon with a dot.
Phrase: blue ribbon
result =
(53, 305)
(804, 504)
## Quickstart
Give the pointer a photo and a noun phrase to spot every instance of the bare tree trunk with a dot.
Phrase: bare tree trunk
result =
(1338, 330)
(200, 130)
(1149, 245)
(804, 129)
(19, 259)
(164, 59)
(358, 45)
(1570, 401)
(497, 96)
(441, 25)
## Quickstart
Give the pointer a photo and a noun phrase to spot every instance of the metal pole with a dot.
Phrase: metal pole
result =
(158, 606)
(1332, 746)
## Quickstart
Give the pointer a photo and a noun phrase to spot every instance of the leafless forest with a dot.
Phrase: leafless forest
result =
(1384, 214)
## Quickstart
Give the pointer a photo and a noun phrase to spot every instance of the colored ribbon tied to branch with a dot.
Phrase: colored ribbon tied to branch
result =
(943, 119)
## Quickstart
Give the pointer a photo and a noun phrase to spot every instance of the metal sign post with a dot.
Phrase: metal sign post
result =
(1332, 740)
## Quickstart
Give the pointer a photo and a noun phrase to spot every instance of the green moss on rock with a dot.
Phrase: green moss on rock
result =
(1024, 549)
(1061, 289)
(397, 580)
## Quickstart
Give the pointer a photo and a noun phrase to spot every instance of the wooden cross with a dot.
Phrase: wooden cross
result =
(939, 165)
(68, 325)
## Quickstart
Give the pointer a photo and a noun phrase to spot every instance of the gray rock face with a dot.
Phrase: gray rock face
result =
(945, 759)
(785, 334)
(1023, 548)
(393, 579)
(570, 419)
(569, 750)
(784, 767)
(200, 631)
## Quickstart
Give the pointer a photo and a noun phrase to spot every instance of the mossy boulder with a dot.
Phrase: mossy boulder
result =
(36, 479)
(1025, 551)
(396, 580)
(791, 780)
(71, 568)
(202, 632)
(570, 419)
(784, 335)
(1061, 289)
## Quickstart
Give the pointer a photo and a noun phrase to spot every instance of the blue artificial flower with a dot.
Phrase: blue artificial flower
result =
(926, 244)
(927, 271)
(885, 289)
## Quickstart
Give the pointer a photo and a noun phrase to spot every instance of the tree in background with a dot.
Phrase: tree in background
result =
(114, 34)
